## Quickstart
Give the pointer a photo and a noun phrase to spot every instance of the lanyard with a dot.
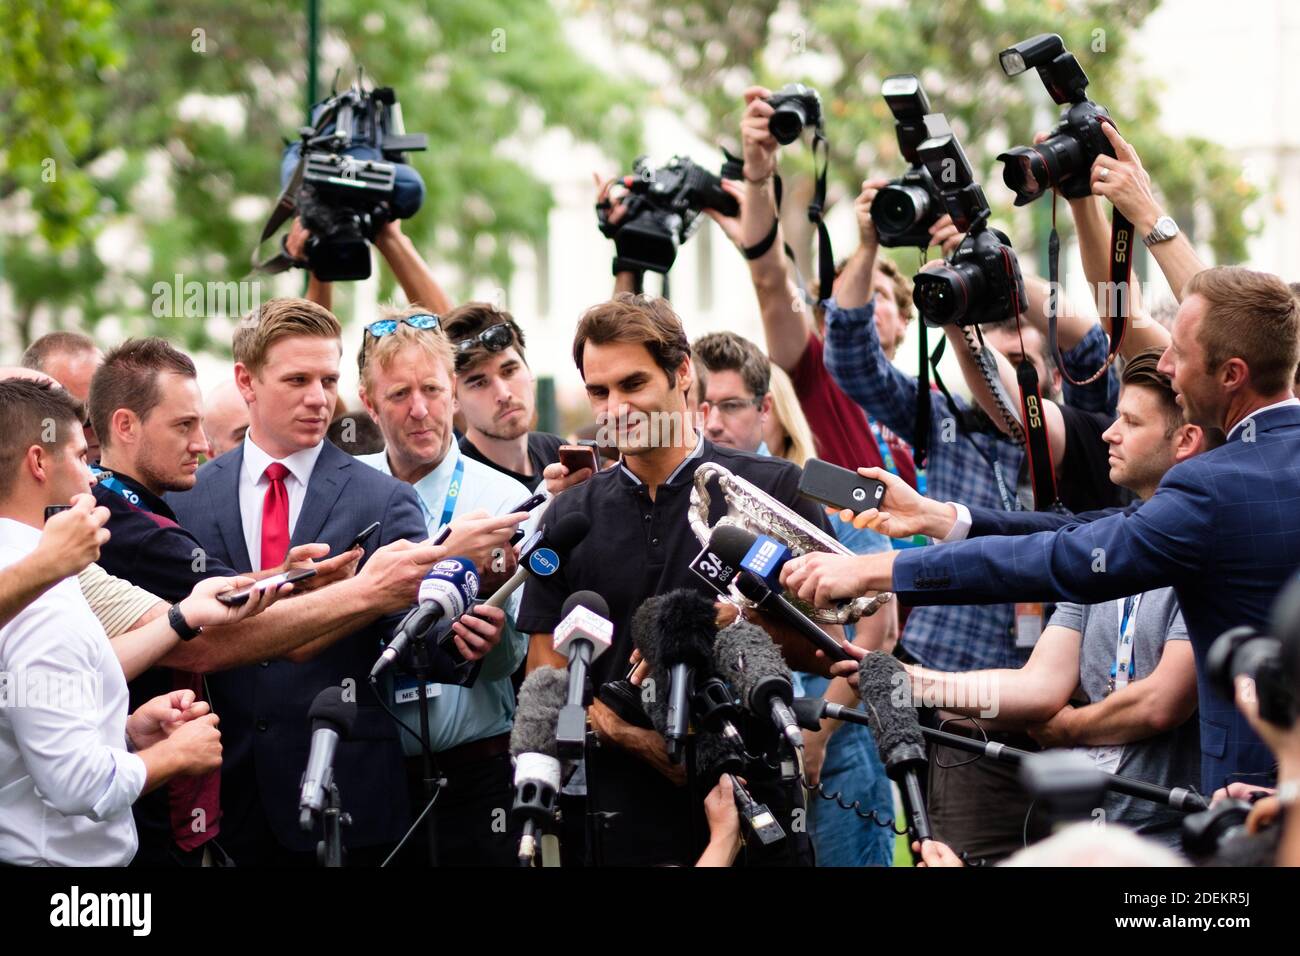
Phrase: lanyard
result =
(106, 479)
(886, 454)
(1121, 671)
(453, 492)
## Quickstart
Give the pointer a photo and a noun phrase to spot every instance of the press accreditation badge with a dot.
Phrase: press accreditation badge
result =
(406, 690)
(1029, 624)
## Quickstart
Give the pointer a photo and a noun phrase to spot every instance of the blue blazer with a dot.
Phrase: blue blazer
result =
(263, 707)
(1223, 529)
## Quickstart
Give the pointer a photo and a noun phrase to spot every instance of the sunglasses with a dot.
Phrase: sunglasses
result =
(384, 327)
(497, 338)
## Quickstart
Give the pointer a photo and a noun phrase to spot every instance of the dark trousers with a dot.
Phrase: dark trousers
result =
(978, 805)
(254, 844)
(471, 816)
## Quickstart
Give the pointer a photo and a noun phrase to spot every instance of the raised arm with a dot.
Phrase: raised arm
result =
(410, 270)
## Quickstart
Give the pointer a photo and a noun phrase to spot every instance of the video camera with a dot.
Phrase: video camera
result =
(346, 177)
(663, 207)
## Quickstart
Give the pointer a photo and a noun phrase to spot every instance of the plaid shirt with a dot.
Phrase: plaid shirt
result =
(961, 468)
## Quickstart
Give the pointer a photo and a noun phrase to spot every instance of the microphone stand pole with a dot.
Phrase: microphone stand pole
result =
(330, 851)
(422, 667)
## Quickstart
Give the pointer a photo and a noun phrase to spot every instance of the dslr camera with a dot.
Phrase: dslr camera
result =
(346, 177)
(1271, 660)
(1063, 160)
(980, 283)
(794, 106)
(663, 207)
(904, 210)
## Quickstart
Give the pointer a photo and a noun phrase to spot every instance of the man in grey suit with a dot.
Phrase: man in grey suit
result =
(286, 485)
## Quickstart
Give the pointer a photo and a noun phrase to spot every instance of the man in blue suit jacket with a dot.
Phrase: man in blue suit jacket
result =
(1223, 528)
(287, 370)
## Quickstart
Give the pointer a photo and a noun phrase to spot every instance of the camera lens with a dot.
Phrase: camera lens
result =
(896, 208)
(1032, 170)
(1025, 173)
(944, 295)
(787, 122)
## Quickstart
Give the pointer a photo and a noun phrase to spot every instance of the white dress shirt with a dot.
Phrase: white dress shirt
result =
(67, 781)
(252, 491)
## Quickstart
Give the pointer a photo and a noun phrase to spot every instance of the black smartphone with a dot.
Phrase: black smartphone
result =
(528, 504)
(52, 510)
(241, 596)
(838, 487)
(360, 539)
(603, 452)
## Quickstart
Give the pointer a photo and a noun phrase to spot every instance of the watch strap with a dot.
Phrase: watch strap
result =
(182, 627)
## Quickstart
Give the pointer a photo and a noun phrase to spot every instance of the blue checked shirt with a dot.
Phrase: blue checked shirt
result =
(961, 468)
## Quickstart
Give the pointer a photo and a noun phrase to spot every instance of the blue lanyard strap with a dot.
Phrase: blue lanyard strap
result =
(106, 479)
(453, 492)
(1125, 638)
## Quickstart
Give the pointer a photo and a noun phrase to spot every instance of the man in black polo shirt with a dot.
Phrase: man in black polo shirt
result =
(635, 360)
(146, 403)
(496, 392)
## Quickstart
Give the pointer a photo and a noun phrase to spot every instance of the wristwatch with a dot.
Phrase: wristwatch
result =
(1165, 229)
(182, 628)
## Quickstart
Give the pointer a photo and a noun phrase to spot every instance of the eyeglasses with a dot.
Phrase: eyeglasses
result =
(385, 327)
(732, 407)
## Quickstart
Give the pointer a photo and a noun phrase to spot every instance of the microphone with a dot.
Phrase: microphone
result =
(446, 591)
(331, 718)
(886, 692)
(584, 633)
(746, 657)
(714, 757)
(533, 750)
(675, 633)
(739, 552)
(541, 554)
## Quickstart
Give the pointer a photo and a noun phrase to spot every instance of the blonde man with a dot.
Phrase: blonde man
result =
(407, 374)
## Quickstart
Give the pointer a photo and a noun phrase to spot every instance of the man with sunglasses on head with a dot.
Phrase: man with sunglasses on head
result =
(497, 394)
(406, 369)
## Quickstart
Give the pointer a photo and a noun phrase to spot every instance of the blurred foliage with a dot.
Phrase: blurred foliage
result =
(165, 123)
(844, 48)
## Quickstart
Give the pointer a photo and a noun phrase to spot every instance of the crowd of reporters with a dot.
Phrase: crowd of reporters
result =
(132, 507)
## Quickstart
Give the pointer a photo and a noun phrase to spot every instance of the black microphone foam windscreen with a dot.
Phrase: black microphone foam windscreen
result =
(714, 757)
(329, 708)
(541, 699)
(688, 625)
(731, 543)
(592, 601)
(886, 692)
(568, 531)
(745, 655)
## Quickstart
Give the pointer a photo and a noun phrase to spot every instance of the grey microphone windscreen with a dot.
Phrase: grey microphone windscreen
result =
(541, 699)
(886, 692)
(745, 656)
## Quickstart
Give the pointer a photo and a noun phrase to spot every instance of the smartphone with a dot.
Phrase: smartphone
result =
(528, 504)
(236, 598)
(603, 452)
(361, 537)
(838, 487)
(52, 510)
(577, 457)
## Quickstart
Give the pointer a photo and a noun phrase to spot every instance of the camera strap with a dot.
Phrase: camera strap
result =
(816, 208)
(1117, 302)
(1038, 449)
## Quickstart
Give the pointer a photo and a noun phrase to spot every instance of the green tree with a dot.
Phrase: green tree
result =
(166, 123)
(845, 48)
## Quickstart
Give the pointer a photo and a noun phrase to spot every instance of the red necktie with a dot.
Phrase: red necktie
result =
(275, 517)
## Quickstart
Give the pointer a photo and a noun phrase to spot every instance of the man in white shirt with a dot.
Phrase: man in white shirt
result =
(67, 777)
(407, 368)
